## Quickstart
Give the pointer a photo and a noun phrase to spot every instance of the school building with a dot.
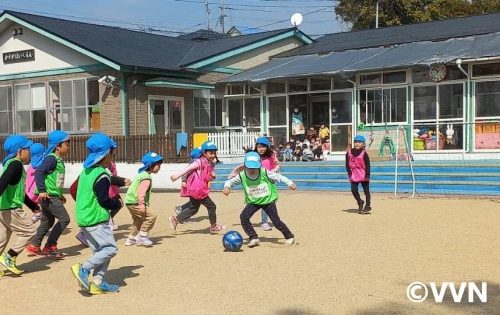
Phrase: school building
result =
(82, 78)
(439, 81)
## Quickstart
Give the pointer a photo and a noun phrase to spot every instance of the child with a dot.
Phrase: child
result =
(326, 148)
(307, 154)
(194, 154)
(200, 173)
(269, 162)
(114, 191)
(324, 133)
(49, 179)
(297, 153)
(13, 219)
(311, 133)
(260, 193)
(37, 152)
(137, 201)
(288, 152)
(317, 150)
(357, 164)
(93, 205)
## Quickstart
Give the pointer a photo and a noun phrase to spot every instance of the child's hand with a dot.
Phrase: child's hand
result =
(293, 186)
(184, 184)
(142, 208)
(213, 175)
(174, 178)
(127, 182)
(63, 200)
(43, 195)
(226, 191)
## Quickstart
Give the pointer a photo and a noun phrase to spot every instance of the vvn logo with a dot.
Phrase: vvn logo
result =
(417, 291)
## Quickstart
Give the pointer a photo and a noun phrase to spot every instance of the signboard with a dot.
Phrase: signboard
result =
(19, 56)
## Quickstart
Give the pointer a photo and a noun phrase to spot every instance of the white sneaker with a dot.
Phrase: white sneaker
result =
(265, 227)
(290, 241)
(143, 240)
(254, 242)
(130, 241)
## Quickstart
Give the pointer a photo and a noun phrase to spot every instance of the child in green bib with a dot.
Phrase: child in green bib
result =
(259, 186)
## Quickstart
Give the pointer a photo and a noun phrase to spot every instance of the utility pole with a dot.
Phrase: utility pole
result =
(376, 16)
(207, 9)
(222, 16)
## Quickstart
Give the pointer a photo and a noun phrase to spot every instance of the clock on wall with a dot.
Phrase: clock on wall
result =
(437, 72)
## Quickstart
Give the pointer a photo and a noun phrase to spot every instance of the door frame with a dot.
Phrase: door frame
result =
(165, 100)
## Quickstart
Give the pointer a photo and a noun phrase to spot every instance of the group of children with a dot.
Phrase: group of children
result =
(98, 200)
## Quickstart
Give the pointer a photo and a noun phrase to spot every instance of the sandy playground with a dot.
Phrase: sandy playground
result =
(343, 263)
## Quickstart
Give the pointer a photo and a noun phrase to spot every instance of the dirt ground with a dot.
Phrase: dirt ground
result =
(343, 263)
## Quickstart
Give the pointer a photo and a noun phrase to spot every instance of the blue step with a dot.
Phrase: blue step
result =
(432, 177)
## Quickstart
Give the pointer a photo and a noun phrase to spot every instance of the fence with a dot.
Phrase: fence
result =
(231, 143)
(129, 149)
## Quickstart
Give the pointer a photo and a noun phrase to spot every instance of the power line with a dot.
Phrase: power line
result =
(285, 20)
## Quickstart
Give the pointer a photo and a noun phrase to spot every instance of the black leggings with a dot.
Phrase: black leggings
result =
(366, 189)
(271, 211)
(191, 207)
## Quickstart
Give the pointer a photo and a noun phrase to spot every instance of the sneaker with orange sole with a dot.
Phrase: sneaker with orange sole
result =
(34, 250)
(52, 251)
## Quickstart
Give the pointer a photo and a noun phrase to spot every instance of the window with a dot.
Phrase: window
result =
(236, 89)
(383, 105)
(207, 109)
(74, 105)
(252, 112)
(370, 79)
(6, 110)
(31, 108)
(486, 69)
(320, 83)
(424, 102)
(235, 112)
(488, 99)
(383, 78)
(276, 86)
(297, 85)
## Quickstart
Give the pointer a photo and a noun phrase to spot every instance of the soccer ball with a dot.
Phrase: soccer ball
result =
(232, 241)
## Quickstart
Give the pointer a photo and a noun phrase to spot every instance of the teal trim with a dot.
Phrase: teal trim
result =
(60, 40)
(303, 37)
(44, 73)
(178, 85)
(241, 50)
(227, 70)
(264, 115)
(124, 96)
(469, 118)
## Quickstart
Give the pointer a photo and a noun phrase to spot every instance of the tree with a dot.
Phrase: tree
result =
(361, 13)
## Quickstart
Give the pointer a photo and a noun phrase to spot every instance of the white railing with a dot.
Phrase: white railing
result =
(231, 143)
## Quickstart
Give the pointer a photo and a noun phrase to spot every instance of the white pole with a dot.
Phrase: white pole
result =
(376, 16)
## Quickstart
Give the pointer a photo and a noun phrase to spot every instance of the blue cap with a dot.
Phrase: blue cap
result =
(252, 160)
(98, 147)
(208, 146)
(263, 141)
(14, 143)
(359, 138)
(56, 137)
(195, 153)
(37, 151)
(149, 159)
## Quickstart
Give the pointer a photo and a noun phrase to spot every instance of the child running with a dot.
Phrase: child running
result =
(357, 164)
(200, 173)
(37, 152)
(194, 155)
(49, 177)
(93, 206)
(13, 219)
(269, 162)
(260, 193)
(137, 201)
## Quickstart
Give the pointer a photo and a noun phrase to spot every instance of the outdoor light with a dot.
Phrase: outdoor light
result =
(17, 31)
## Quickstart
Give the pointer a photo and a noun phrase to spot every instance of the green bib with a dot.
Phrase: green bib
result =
(88, 210)
(13, 196)
(261, 191)
(131, 197)
(54, 182)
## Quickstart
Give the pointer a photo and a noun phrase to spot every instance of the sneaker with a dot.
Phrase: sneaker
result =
(52, 251)
(265, 226)
(103, 288)
(173, 223)
(254, 242)
(1, 273)
(130, 241)
(10, 263)
(290, 241)
(34, 250)
(82, 275)
(360, 206)
(367, 209)
(80, 237)
(217, 228)
(143, 241)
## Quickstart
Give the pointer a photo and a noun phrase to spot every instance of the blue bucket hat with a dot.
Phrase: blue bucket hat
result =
(14, 143)
(208, 146)
(98, 147)
(195, 153)
(149, 159)
(37, 151)
(252, 160)
(263, 141)
(359, 138)
(56, 137)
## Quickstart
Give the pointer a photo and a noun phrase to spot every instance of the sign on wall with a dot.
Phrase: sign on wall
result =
(19, 56)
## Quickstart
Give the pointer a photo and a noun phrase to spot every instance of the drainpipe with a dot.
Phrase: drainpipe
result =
(468, 104)
(354, 97)
(124, 107)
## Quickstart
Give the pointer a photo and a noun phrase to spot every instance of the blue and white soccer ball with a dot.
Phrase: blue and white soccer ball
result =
(232, 241)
